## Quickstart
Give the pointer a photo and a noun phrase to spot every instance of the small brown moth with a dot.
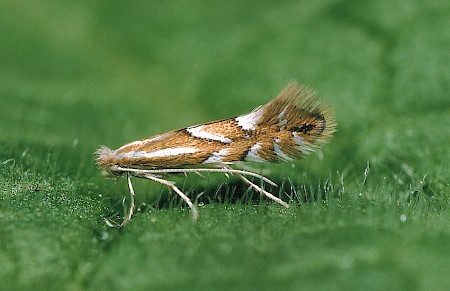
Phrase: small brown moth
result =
(288, 127)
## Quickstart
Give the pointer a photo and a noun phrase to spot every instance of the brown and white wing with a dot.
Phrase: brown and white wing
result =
(286, 128)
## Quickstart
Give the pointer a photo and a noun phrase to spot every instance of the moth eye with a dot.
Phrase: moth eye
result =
(117, 173)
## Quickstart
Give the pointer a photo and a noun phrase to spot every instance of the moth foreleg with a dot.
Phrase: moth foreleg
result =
(132, 202)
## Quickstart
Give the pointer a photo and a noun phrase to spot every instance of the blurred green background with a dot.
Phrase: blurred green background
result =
(368, 212)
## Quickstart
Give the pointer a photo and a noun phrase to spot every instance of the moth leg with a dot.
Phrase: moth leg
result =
(225, 169)
(253, 174)
(132, 202)
(177, 190)
(259, 189)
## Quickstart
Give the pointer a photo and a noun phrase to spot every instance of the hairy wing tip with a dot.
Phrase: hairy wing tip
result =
(309, 105)
(301, 96)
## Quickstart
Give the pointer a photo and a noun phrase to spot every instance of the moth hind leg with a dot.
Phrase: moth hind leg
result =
(172, 186)
(257, 188)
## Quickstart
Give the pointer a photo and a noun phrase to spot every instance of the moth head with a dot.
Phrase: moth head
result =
(105, 158)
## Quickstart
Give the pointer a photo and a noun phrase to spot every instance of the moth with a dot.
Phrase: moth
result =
(289, 127)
